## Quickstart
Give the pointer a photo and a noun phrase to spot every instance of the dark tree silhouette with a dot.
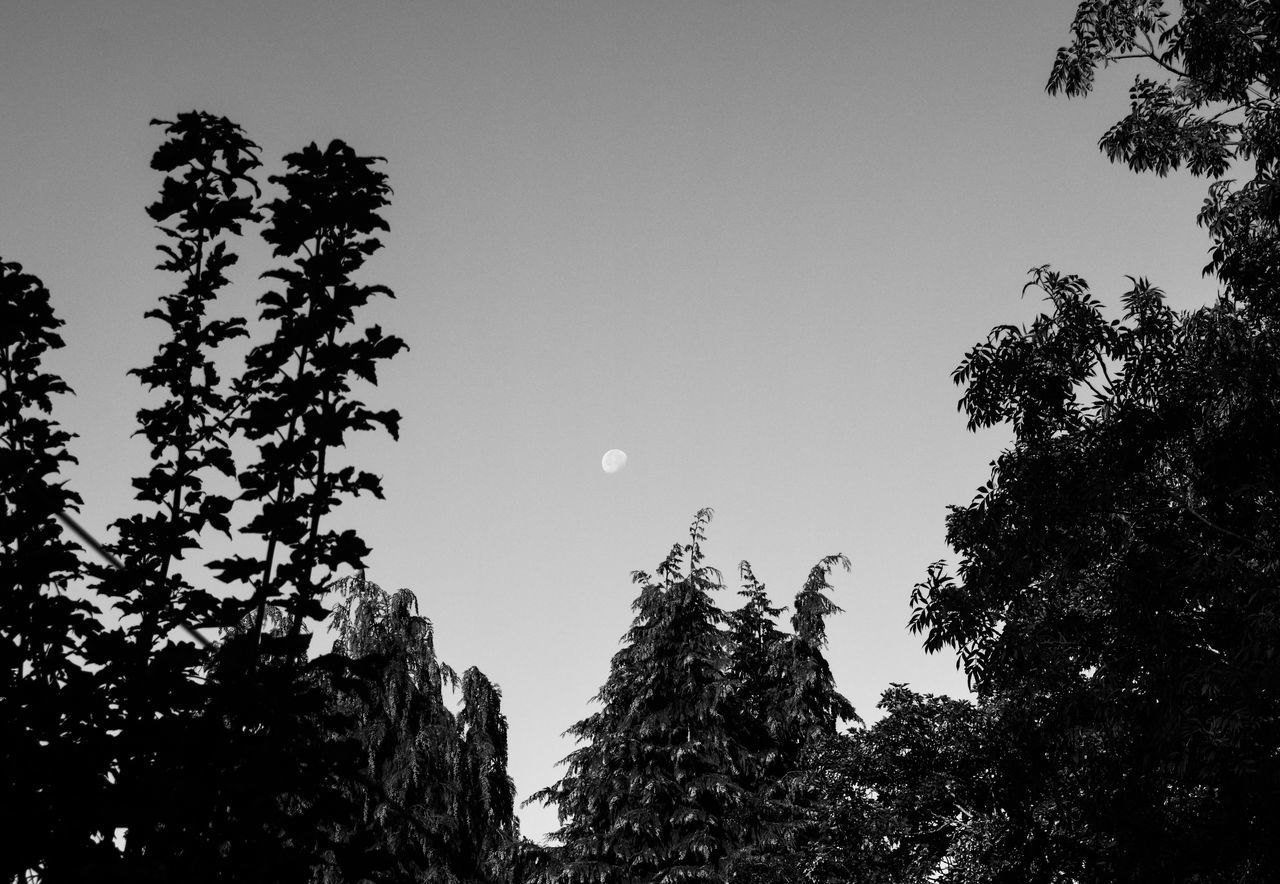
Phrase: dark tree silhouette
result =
(436, 802)
(1114, 604)
(54, 747)
(206, 198)
(652, 795)
(691, 768)
(296, 389)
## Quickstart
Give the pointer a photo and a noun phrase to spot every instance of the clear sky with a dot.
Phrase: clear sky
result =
(744, 241)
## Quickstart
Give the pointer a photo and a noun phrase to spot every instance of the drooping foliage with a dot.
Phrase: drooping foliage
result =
(813, 705)
(1114, 603)
(436, 802)
(488, 829)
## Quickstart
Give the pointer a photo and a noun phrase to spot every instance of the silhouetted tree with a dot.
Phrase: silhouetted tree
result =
(436, 802)
(206, 198)
(55, 750)
(692, 768)
(1114, 604)
(296, 388)
(651, 795)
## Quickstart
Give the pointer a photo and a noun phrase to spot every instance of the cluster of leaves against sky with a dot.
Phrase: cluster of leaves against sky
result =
(1114, 601)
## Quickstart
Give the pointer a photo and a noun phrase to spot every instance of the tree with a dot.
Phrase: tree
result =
(229, 765)
(1114, 603)
(757, 673)
(272, 781)
(206, 198)
(913, 790)
(296, 386)
(785, 708)
(54, 750)
(693, 768)
(488, 827)
(436, 802)
(651, 795)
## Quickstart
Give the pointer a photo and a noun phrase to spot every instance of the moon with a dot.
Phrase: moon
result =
(613, 460)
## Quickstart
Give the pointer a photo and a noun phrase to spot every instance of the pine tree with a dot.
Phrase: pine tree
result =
(786, 708)
(487, 822)
(652, 795)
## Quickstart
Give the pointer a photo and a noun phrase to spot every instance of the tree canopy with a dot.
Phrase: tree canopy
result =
(1113, 605)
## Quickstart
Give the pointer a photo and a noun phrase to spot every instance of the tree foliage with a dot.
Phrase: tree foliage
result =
(436, 802)
(54, 755)
(681, 773)
(296, 388)
(206, 198)
(1114, 604)
(225, 763)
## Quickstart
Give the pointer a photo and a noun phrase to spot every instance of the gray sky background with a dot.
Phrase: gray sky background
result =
(744, 241)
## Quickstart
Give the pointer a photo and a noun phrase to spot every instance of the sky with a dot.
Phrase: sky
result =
(744, 241)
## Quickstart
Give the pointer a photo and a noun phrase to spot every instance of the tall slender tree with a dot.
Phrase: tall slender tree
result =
(488, 827)
(756, 673)
(206, 198)
(297, 385)
(277, 757)
(436, 800)
(812, 706)
(786, 708)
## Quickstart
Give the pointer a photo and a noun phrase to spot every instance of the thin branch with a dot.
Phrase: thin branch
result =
(1253, 543)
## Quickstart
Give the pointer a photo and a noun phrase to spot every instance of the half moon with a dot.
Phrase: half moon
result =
(613, 460)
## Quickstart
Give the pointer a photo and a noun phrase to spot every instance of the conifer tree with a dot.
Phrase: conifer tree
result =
(755, 656)
(437, 802)
(786, 707)
(652, 794)
(407, 733)
(487, 820)
(756, 678)
(813, 705)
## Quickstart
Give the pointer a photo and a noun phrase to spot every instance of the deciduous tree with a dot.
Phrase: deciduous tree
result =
(55, 752)
(1114, 604)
